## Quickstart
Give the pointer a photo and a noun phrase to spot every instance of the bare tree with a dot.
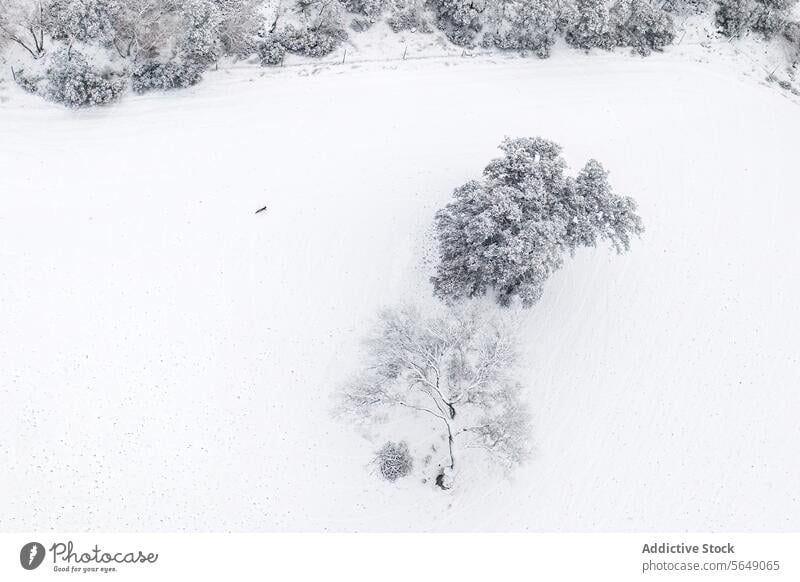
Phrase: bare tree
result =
(23, 22)
(453, 368)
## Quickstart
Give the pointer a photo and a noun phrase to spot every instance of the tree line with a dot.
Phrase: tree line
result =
(88, 52)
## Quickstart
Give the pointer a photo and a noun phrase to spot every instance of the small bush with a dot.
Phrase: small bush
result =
(312, 42)
(407, 15)
(394, 460)
(370, 8)
(29, 83)
(686, 6)
(271, 51)
(151, 76)
(71, 80)
(540, 43)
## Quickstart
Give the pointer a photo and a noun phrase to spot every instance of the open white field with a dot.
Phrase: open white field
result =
(167, 356)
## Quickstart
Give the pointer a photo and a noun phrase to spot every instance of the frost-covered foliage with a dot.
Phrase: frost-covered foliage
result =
(791, 32)
(160, 43)
(169, 43)
(239, 26)
(507, 233)
(22, 22)
(528, 25)
(79, 20)
(394, 460)
(271, 51)
(641, 25)
(71, 80)
(772, 16)
(686, 7)
(311, 42)
(460, 20)
(450, 372)
(372, 9)
(591, 26)
(407, 15)
(149, 76)
(733, 17)
(320, 31)
(766, 17)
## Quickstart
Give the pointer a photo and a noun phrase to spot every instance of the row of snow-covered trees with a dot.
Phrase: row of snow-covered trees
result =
(449, 370)
(86, 52)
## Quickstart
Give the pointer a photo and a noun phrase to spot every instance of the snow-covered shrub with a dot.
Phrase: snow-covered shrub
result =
(26, 82)
(771, 16)
(506, 234)
(791, 32)
(394, 460)
(686, 6)
(149, 76)
(311, 42)
(407, 15)
(641, 25)
(528, 25)
(733, 17)
(270, 51)
(460, 20)
(71, 80)
(591, 26)
(372, 9)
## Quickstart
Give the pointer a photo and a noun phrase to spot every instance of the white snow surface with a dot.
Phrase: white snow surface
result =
(168, 357)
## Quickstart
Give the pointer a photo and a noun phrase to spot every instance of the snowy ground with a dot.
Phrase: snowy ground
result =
(168, 356)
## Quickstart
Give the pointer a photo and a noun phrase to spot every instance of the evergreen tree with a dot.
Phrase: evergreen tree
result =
(510, 231)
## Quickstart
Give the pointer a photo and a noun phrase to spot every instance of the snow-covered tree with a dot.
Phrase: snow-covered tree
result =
(460, 19)
(771, 16)
(79, 20)
(591, 26)
(239, 25)
(734, 17)
(450, 372)
(23, 23)
(526, 25)
(641, 25)
(141, 29)
(507, 233)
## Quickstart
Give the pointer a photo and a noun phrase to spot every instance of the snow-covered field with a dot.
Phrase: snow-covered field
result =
(168, 356)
